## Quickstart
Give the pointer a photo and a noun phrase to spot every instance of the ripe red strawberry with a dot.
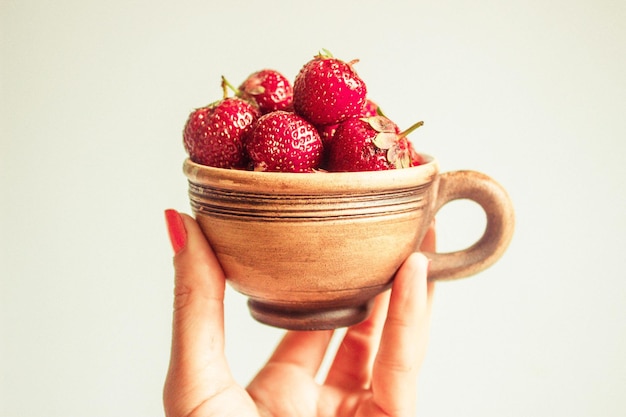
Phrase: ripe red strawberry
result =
(371, 144)
(283, 141)
(327, 91)
(213, 135)
(370, 109)
(326, 132)
(269, 89)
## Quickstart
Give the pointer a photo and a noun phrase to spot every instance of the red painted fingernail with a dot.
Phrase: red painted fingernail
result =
(176, 230)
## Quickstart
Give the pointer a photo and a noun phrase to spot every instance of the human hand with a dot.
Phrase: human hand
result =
(374, 372)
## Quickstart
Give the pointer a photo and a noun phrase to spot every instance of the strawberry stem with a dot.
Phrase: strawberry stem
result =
(324, 53)
(410, 129)
(226, 86)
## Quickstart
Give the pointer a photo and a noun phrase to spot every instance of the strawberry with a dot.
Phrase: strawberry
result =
(269, 89)
(371, 144)
(327, 90)
(213, 135)
(283, 141)
(327, 131)
(370, 109)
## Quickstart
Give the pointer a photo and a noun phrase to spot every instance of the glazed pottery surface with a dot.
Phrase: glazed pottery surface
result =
(311, 251)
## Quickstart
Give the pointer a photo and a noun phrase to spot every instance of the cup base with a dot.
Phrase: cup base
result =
(307, 319)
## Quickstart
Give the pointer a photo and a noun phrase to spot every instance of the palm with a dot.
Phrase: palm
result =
(278, 390)
(288, 390)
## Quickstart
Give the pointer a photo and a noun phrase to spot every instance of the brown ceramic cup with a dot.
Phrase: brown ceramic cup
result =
(311, 251)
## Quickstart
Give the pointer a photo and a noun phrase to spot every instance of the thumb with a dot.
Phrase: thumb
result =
(197, 361)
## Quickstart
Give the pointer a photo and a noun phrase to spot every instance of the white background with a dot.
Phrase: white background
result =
(94, 97)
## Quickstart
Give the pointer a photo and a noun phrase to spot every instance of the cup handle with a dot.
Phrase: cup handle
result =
(498, 208)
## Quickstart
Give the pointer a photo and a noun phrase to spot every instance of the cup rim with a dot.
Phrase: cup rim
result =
(294, 183)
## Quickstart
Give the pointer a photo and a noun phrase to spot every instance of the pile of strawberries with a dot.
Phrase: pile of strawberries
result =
(323, 122)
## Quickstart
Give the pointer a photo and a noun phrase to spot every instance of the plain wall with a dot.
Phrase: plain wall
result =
(93, 99)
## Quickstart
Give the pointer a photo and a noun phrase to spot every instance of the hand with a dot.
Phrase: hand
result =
(374, 372)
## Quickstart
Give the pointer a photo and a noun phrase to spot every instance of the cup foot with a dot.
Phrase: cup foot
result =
(322, 318)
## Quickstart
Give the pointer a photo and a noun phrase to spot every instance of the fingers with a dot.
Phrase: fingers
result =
(197, 354)
(404, 338)
(302, 349)
(352, 366)
(198, 328)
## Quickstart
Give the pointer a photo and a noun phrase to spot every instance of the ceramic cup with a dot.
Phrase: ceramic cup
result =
(311, 251)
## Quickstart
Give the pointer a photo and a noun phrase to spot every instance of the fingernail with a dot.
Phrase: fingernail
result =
(176, 230)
